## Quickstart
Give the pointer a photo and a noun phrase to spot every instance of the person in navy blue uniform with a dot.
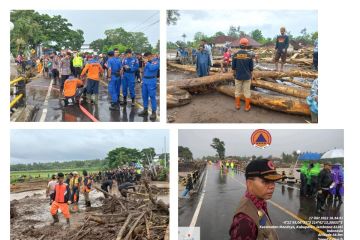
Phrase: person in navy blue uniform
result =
(149, 86)
(281, 46)
(114, 66)
(129, 66)
(243, 66)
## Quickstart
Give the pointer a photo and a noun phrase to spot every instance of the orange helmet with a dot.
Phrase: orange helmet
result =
(244, 41)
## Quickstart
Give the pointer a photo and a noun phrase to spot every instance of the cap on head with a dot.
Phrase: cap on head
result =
(111, 53)
(262, 168)
(147, 54)
(75, 173)
(244, 42)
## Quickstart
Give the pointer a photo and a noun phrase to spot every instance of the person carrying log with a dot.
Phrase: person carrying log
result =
(281, 46)
(242, 66)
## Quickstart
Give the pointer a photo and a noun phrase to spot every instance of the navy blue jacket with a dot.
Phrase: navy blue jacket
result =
(282, 42)
(243, 65)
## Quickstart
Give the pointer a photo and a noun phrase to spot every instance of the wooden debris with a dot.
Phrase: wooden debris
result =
(282, 104)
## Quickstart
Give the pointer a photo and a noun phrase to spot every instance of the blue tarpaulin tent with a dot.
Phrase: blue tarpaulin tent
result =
(309, 156)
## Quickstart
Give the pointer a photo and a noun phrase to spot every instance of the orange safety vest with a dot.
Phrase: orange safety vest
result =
(70, 86)
(61, 191)
(93, 71)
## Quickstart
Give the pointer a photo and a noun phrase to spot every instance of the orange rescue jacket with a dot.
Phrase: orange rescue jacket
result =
(93, 70)
(71, 85)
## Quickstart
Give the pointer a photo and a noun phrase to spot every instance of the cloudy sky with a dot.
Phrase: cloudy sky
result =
(269, 22)
(28, 146)
(237, 142)
(94, 23)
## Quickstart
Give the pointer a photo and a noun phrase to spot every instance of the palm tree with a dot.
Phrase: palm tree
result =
(184, 37)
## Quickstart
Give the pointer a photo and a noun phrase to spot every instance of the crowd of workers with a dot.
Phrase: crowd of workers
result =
(78, 76)
(64, 189)
(322, 183)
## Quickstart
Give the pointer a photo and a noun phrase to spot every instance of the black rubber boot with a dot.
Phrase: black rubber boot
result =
(124, 102)
(133, 102)
(153, 116)
(144, 113)
(114, 107)
(68, 221)
(88, 204)
(56, 219)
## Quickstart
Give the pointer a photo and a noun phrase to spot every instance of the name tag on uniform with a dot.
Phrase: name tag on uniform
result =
(241, 56)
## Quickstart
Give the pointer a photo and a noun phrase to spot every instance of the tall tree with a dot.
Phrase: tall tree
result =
(257, 35)
(217, 34)
(172, 17)
(234, 31)
(185, 153)
(219, 146)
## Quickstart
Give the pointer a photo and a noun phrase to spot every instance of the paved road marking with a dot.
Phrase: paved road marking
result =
(138, 105)
(328, 236)
(197, 211)
(46, 102)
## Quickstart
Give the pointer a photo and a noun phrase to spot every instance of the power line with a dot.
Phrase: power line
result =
(145, 21)
(142, 29)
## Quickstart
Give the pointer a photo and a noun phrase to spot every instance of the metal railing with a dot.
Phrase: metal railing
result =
(18, 93)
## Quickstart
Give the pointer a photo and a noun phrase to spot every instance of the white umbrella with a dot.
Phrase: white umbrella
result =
(335, 153)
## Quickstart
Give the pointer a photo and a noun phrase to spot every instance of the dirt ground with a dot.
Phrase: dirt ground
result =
(28, 186)
(217, 108)
(30, 214)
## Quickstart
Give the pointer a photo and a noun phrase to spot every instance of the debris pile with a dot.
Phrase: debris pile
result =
(139, 216)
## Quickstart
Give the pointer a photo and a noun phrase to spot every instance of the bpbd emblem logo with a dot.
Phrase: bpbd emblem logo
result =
(261, 138)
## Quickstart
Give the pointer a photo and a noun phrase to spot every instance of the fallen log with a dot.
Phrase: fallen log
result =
(193, 84)
(256, 73)
(177, 97)
(297, 61)
(96, 219)
(282, 104)
(301, 84)
(134, 226)
(159, 203)
(287, 90)
(123, 228)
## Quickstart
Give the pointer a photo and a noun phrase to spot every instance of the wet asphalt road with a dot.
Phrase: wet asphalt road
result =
(222, 193)
(53, 109)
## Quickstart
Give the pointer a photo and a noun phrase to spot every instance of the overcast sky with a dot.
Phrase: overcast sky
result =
(28, 146)
(94, 23)
(237, 142)
(269, 22)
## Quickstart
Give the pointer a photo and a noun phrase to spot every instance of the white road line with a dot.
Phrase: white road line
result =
(197, 211)
(46, 102)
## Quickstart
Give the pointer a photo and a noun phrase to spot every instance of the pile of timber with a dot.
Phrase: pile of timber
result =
(140, 216)
(291, 99)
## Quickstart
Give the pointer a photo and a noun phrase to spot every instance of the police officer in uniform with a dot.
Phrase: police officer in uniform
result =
(242, 66)
(114, 66)
(252, 215)
(130, 65)
(149, 85)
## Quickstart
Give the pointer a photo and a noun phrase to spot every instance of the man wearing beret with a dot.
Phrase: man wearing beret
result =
(251, 220)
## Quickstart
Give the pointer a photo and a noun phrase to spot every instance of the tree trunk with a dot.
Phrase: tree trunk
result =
(193, 85)
(276, 103)
(256, 73)
(276, 87)
(297, 61)
(177, 97)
